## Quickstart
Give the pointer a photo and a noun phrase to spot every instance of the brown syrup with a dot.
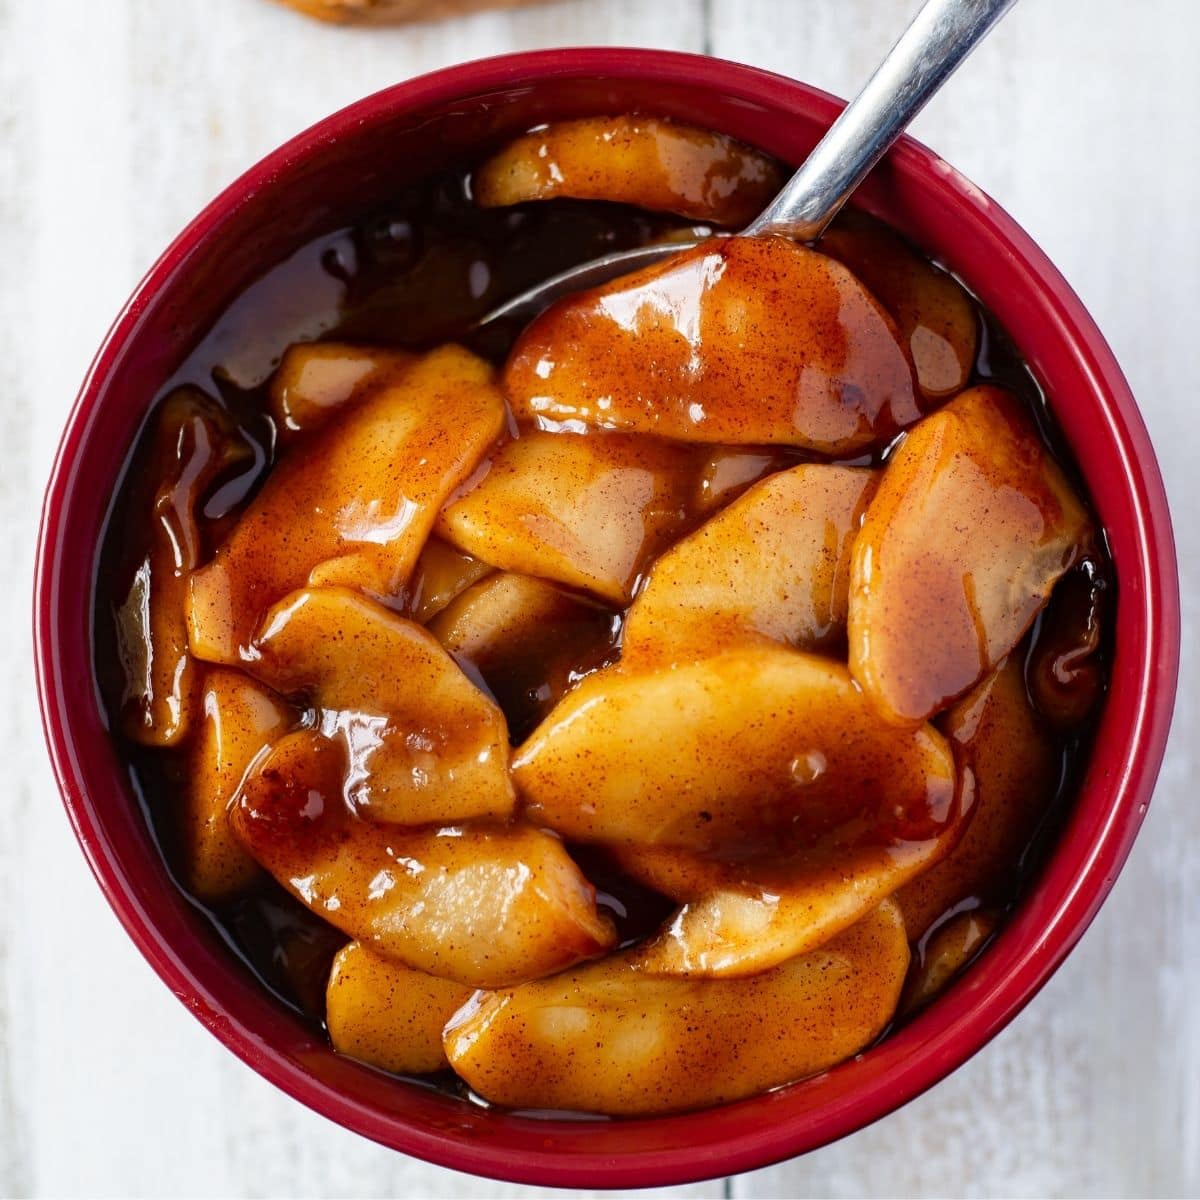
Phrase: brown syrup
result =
(418, 274)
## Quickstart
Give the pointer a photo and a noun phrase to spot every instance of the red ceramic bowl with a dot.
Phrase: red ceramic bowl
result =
(322, 179)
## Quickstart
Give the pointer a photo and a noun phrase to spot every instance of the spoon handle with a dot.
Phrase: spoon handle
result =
(941, 35)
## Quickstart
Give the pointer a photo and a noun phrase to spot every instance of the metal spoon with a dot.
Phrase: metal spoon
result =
(929, 51)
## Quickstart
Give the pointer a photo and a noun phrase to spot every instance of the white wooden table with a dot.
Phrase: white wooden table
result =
(120, 118)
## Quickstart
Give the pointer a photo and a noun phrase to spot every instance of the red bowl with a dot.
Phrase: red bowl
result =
(347, 164)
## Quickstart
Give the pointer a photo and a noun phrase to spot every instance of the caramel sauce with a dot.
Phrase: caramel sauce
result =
(410, 278)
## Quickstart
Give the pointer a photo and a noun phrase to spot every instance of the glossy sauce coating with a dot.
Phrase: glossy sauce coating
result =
(740, 917)
(972, 484)
(730, 470)
(316, 380)
(645, 161)
(484, 906)
(194, 442)
(680, 349)
(1065, 672)
(945, 954)
(934, 316)
(1003, 745)
(241, 720)
(423, 743)
(528, 640)
(353, 507)
(441, 575)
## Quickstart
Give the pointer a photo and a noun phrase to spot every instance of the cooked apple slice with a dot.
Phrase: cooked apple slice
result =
(775, 563)
(609, 1038)
(528, 640)
(1002, 744)
(757, 747)
(485, 906)
(970, 529)
(730, 470)
(935, 316)
(742, 917)
(352, 505)
(317, 379)
(441, 574)
(193, 441)
(588, 511)
(387, 1014)
(949, 951)
(425, 745)
(240, 720)
(741, 340)
(645, 161)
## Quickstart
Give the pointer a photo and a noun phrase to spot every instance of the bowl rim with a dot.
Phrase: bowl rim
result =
(964, 1025)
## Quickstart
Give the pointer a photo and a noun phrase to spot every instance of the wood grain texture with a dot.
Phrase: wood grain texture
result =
(1070, 116)
(16, 488)
(119, 119)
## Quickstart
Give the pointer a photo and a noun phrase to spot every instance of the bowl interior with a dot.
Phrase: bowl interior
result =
(350, 164)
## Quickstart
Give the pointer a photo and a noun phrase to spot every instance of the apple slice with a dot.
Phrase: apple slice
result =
(193, 441)
(645, 161)
(353, 504)
(950, 950)
(587, 511)
(730, 470)
(442, 573)
(241, 719)
(970, 529)
(425, 745)
(741, 341)
(1002, 744)
(775, 563)
(742, 917)
(609, 1038)
(389, 1015)
(935, 316)
(757, 748)
(315, 380)
(528, 640)
(484, 906)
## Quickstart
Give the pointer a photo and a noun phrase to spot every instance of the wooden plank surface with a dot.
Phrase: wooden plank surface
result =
(1074, 116)
(119, 118)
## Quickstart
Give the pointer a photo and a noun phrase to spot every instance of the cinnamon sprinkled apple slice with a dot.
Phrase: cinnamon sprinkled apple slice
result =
(757, 748)
(486, 906)
(971, 527)
(387, 1014)
(424, 744)
(775, 563)
(650, 162)
(740, 341)
(610, 1038)
(351, 504)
